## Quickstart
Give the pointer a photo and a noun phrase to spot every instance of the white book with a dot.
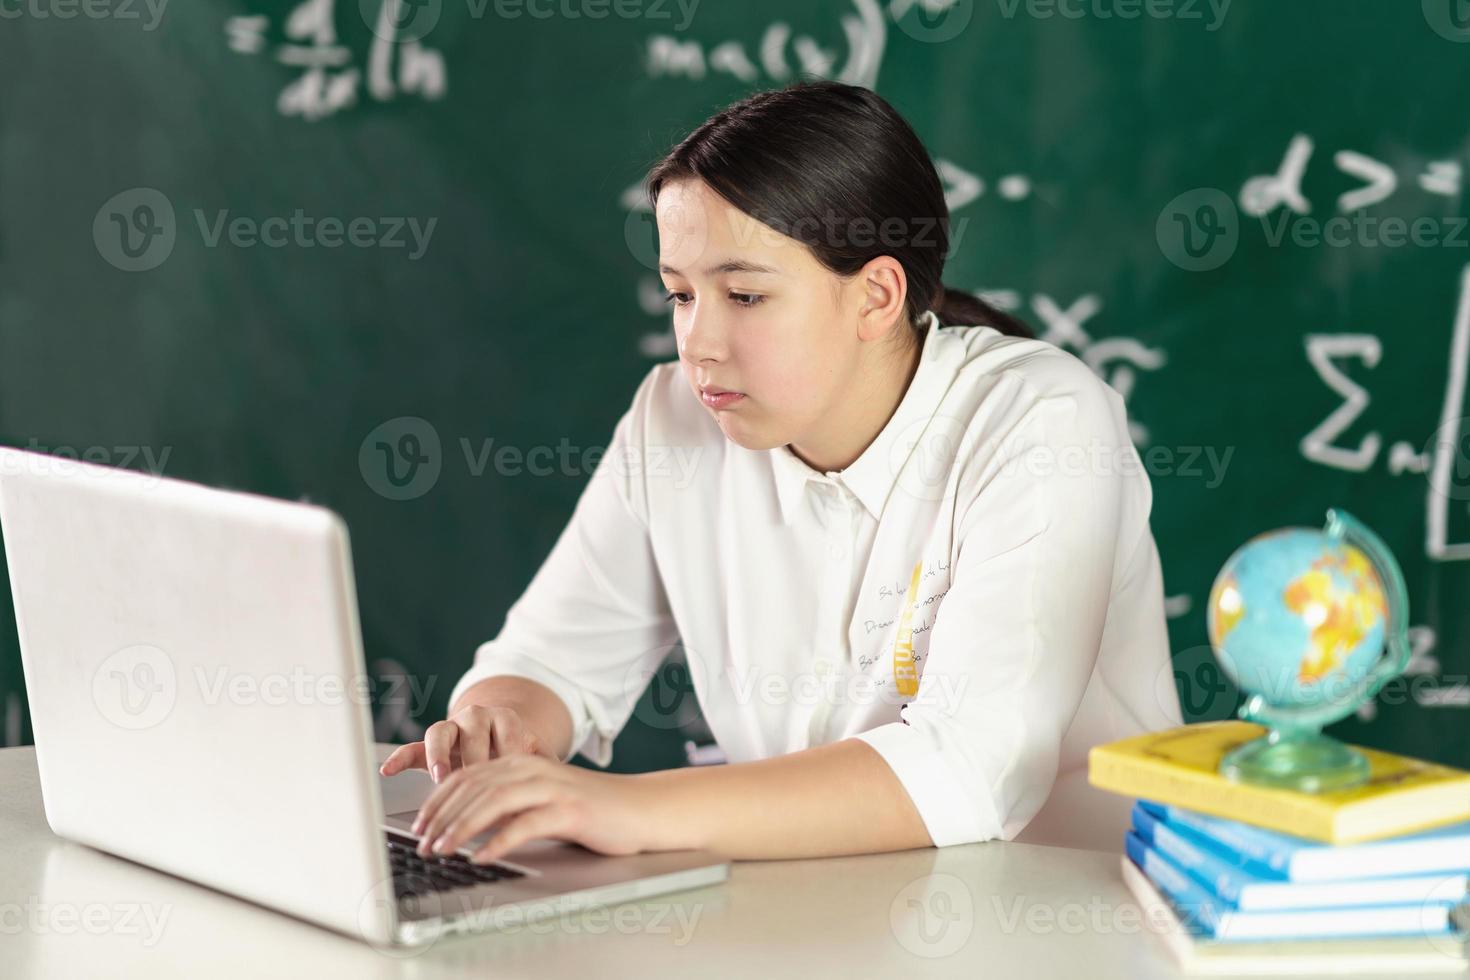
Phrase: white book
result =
(1200, 955)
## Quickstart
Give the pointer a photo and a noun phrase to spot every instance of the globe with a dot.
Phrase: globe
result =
(1298, 617)
(1309, 624)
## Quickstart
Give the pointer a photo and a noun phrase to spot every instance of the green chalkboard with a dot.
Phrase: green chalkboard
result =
(249, 243)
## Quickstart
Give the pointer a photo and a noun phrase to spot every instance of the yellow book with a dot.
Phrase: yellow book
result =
(1180, 766)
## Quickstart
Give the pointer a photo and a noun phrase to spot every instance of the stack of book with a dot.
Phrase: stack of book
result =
(1241, 879)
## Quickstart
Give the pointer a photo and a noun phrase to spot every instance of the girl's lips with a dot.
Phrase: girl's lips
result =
(721, 400)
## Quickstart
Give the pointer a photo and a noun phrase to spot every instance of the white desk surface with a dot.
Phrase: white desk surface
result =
(1000, 909)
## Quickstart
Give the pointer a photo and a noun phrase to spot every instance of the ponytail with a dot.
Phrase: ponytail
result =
(957, 308)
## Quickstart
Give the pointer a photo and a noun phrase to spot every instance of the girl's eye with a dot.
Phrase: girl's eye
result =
(746, 300)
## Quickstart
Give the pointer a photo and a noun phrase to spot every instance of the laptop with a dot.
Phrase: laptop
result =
(200, 705)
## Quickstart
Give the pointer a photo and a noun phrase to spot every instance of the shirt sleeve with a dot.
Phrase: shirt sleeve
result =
(595, 620)
(1017, 636)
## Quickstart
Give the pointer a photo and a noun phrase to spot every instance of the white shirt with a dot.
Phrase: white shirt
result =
(1003, 506)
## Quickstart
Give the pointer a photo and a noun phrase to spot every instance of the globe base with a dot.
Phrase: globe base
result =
(1308, 762)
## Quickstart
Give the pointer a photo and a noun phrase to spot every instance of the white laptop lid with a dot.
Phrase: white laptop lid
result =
(193, 662)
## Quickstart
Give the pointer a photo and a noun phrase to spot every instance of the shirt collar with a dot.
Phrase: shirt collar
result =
(871, 476)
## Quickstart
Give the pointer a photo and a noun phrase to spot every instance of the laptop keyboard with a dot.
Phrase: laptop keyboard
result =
(414, 875)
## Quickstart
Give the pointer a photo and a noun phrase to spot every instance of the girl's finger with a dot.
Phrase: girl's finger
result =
(546, 821)
(481, 812)
(409, 756)
(474, 743)
(439, 743)
(440, 805)
(507, 734)
(450, 799)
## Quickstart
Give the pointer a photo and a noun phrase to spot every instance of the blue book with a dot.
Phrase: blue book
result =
(1248, 888)
(1444, 850)
(1212, 917)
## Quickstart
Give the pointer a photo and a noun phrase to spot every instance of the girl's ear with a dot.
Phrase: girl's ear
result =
(884, 292)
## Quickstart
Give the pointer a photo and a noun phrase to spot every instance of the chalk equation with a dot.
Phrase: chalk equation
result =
(1442, 457)
(1376, 181)
(397, 60)
(864, 36)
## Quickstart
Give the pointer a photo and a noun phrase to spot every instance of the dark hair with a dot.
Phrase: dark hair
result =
(837, 168)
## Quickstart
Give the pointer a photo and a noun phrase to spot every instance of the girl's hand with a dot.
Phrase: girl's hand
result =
(535, 798)
(475, 733)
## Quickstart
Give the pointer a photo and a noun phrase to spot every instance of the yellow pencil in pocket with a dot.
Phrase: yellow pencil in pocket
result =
(905, 674)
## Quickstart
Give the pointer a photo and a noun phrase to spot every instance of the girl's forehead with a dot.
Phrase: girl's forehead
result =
(721, 239)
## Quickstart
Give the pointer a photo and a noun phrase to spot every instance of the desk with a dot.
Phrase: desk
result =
(981, 910)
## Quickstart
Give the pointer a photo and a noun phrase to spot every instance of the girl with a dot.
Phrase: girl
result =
(904, 547)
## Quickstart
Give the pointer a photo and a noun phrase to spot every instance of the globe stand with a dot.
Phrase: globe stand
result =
(1308, 761)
